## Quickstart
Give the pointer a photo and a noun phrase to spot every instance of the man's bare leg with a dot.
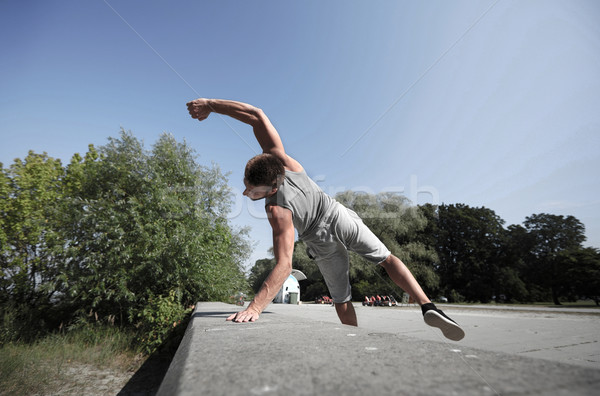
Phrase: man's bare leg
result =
(402, 276)
(346, 313)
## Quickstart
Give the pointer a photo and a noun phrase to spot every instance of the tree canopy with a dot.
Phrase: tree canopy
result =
(127, 235)
(464, 253)
(114, 230)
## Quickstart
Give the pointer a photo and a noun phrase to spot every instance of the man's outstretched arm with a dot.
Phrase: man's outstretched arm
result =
(283, 247)
(264, 131)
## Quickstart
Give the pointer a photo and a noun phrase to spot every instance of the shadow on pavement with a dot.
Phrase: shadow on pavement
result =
(148, 378)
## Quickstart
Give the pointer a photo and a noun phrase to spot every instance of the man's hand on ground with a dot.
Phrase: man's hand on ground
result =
(199, 109)
(247, 315)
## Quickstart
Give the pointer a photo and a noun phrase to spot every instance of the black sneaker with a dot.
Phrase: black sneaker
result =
(436, 318)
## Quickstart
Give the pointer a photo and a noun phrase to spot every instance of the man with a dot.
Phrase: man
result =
(293, 200)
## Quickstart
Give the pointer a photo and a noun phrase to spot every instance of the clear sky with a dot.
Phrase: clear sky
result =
(487, 103)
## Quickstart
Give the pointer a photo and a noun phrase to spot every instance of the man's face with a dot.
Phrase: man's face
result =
(258, 192)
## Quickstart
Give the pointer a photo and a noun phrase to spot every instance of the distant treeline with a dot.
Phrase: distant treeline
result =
(464, 254)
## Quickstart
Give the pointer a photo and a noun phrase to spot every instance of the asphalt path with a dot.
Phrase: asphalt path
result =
(566, 335)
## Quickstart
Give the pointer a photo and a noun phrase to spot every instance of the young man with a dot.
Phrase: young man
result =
(293, 200)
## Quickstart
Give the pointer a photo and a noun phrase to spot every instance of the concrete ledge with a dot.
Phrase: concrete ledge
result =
(283, 354)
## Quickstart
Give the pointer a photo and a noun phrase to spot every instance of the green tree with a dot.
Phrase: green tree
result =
(582, 270)
(120, 233)
(30, 190)
(469, 244)
(552, 235)
(140, 224)
(5, 189)
(512, 274)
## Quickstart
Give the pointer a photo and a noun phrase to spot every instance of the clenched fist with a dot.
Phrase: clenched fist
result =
(199, 108)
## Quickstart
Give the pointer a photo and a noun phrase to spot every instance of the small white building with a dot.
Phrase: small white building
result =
(290, 291)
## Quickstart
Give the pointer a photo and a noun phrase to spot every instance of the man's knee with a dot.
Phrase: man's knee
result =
(388, 260)
(341, 305)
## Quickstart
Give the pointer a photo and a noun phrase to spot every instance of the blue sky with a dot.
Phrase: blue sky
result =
(487, 103)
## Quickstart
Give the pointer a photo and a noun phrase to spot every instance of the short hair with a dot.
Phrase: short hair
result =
(264, 170)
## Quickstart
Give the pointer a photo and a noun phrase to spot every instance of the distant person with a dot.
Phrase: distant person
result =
(293, 200)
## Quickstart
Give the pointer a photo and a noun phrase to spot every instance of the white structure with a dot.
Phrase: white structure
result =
(290, 291)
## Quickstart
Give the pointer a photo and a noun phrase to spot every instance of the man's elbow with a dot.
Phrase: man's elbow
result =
(285, 267)
(258, 112)
(258, 116)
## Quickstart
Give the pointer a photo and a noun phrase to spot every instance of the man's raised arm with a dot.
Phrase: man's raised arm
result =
(264, 131)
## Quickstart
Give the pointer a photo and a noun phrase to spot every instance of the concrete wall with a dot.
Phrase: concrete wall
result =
(282, 354)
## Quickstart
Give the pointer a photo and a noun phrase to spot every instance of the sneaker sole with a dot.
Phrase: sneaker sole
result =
(450, 329)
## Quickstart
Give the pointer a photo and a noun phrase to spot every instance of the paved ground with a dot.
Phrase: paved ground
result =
(303, 350)
(567, 335)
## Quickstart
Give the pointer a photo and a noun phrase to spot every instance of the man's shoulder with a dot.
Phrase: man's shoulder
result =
(275, 210)
(279, 217)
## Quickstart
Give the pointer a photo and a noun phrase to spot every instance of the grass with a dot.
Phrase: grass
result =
(42, 367)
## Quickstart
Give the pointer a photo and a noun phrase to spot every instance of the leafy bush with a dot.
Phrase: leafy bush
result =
(455, 297)
(114, 235)
(159, 320)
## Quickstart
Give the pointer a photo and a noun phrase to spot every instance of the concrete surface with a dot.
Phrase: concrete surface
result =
(567, 335)
(284, 353)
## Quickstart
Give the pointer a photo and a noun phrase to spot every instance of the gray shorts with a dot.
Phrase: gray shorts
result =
(339, 232)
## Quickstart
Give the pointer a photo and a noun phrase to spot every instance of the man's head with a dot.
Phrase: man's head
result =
(263, 175)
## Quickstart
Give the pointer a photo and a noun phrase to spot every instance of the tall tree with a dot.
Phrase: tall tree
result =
(147, 223)
(5, 190)
(30, 189)
(516, 253)
(469, 245)
(28, 219)
(582, 271)
(551, 235)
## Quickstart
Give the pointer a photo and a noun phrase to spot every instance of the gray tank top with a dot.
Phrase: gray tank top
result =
(307, 202)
